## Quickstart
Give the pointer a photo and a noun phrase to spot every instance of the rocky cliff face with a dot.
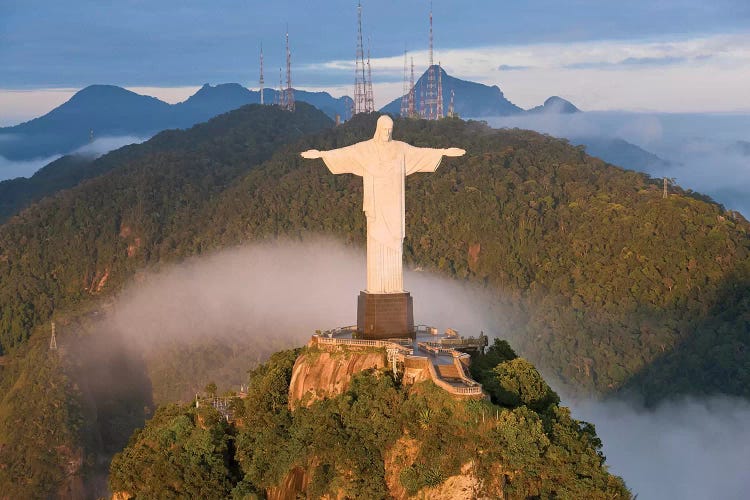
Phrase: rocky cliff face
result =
(463, 486)
(321, 374)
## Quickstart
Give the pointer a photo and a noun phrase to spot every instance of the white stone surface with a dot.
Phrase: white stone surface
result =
(383, 165)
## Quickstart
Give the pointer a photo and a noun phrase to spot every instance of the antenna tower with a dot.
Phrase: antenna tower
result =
(440, 92)
(422, 107)
(412, 96)
(53, 339)
(289, 95)
(407, 90)
(451, 106)
(369, 99)
(360, 83)
(261, 82)
(430, 100)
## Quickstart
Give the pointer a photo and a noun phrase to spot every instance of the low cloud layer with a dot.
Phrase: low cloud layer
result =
(284, 291)
(689, 449)
(103, 145)
(10, 169)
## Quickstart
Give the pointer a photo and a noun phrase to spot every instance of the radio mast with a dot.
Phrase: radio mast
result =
(261, 82)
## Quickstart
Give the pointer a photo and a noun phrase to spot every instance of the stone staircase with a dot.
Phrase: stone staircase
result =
(448, 372)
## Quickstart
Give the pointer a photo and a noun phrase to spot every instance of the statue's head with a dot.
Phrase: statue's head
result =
(384, 129)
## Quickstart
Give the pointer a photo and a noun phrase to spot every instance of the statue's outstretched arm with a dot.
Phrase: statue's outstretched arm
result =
(311, 154)
(339, 161)
(454, 152)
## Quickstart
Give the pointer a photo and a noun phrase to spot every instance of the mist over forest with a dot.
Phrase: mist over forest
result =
(275, 295)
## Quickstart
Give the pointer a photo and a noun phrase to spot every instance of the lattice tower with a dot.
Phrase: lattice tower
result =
(422, 107)
(260, 81)
(289, 94)
(451, 106)
(369, 99)
(360, 82)
(412, 92)
(439, 92)
(430, 99)
(405, 95)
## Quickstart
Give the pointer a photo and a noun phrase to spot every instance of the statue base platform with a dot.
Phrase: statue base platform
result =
(385, 315)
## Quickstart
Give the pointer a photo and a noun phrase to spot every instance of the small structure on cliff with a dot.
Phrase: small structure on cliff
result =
(385, 318)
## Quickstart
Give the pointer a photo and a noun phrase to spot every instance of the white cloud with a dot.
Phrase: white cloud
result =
(104, 145)
(279, 293)
(689, 449)
(10, 169)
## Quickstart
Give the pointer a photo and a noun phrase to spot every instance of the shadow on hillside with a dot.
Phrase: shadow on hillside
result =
(713, 356)
(116, 394)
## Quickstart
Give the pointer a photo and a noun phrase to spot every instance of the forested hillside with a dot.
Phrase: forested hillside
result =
(87, 240)
(613, 286)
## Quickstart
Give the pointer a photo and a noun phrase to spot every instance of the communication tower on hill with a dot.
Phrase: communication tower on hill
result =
(280, 95)
(412, 96)
(451, 106)
(440, 92)
(261, 82)
(407, 90)
(363, 100)
(432, 102)
(369, 99)
(289, 93)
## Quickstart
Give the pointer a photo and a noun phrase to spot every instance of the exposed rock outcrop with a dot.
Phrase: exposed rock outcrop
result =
(322, 374)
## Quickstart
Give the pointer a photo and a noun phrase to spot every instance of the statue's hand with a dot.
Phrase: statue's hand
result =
(311, 154)
(454, 152)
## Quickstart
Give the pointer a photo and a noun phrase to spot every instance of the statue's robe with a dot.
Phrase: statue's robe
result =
(383, 167)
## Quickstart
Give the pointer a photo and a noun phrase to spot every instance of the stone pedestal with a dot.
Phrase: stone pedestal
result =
(385, 315)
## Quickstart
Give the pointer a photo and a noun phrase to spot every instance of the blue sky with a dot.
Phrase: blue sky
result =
(49, 49)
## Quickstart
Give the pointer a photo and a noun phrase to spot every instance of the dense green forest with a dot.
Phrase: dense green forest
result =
(42, 426)
(522, 444)
(608, 287)
(613, 288)
(69, 247)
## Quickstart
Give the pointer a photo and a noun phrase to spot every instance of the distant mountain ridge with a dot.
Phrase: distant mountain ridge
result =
(109, 110)
(476, 100)
(471, 99)
(621, 152)
(555, 105)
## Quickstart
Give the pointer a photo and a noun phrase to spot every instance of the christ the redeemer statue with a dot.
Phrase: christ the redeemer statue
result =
(383, 165)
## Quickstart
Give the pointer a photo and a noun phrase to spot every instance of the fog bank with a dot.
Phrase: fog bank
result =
(689, 449)
(11, 169)
(277, 294)
(283, 289)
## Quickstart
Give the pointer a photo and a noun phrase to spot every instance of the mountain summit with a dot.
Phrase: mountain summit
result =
(555, 105)
(471, 98)
(110, 111)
